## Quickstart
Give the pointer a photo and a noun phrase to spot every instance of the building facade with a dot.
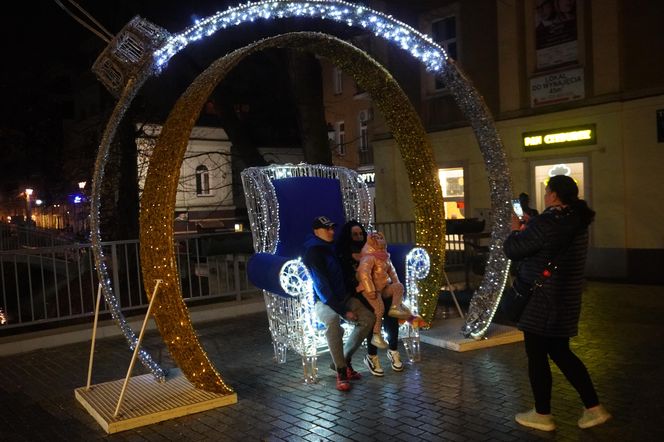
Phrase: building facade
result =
(575, 87)
(204, 199)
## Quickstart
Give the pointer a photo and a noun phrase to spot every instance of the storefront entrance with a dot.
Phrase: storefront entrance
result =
(577, 168)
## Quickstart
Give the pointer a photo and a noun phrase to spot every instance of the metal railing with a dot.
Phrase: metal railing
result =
(48, 284)
(13, 237)
(404, 232)
(59, 282)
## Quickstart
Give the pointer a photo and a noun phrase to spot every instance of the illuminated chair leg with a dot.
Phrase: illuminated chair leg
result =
(411, 344)
(280, 351)
(310, 367)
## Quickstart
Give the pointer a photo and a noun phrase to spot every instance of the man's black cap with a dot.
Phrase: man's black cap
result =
(322, 222)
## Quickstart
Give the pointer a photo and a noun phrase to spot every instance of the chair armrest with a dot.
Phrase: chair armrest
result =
(263, 270)
(402, 255)
(418, 263)
(280, 275)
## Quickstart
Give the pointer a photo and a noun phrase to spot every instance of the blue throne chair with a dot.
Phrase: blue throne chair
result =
(282, 201)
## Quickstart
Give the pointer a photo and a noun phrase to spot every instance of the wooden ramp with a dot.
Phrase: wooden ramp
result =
(446, 333)
(147, 401)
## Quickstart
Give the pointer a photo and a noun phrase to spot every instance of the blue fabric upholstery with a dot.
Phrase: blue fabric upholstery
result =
(398, 253)
(263, 271)
(301, 199)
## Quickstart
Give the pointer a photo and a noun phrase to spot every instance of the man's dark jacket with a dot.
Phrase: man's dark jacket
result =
(328, 278)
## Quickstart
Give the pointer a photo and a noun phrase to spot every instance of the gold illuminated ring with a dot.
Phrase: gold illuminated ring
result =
(158, 200)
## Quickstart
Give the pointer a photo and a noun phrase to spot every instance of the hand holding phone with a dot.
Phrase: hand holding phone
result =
(518, 210)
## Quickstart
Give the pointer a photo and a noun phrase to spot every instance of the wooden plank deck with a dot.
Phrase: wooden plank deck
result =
(147, 401)
(446, 333)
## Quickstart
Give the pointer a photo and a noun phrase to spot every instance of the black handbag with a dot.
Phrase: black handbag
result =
(513, 303)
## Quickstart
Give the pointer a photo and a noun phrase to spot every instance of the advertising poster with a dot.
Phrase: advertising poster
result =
(558, 87)
(555, 32)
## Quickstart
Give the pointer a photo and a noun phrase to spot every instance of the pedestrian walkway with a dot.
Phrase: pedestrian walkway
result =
(447, 396)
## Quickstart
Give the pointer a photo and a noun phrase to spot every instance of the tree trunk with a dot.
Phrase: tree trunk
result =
(119, 205)
(306, 83)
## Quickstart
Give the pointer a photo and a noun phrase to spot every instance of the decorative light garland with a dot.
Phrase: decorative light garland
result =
(407, 38)
(295, 279)
(418, 265)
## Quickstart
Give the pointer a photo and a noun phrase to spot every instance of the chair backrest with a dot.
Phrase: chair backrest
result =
(283, 200)
(300, 200)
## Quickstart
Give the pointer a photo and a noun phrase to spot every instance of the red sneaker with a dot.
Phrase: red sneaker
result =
(418, 322)
(342, 382)
(415, 321)
(352, 374)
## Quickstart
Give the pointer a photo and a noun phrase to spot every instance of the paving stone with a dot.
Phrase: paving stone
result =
(447, 396)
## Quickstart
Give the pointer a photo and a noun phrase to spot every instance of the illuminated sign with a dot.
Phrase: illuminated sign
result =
(563, 137)
(368, 177)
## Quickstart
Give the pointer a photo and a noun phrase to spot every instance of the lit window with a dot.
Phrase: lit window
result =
(202, 180)
(451, 181)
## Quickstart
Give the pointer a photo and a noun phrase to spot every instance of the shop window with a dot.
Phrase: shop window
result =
(202, 180)
(452, 184)
(543, 172)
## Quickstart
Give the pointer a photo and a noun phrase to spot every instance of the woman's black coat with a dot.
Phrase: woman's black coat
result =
(554, 308)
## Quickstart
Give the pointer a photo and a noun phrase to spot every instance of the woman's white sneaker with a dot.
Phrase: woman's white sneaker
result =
(395, 360)
(593, 416)
(532, 419)
(373, 364)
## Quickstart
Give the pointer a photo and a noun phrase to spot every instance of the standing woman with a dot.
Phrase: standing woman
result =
(552, 249)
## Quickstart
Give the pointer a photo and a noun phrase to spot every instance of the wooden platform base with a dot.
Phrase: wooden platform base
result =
(446, 333)
(147, 401)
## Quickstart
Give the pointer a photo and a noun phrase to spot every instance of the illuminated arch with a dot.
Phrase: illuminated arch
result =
(158, 201)
(435, 60)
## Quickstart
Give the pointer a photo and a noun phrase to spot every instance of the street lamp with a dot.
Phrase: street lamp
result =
(28, 193)
(80, 213)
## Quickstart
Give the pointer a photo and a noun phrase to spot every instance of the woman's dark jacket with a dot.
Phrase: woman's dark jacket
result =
(554, 308)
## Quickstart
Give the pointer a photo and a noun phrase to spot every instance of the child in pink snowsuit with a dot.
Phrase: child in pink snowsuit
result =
(377, 280)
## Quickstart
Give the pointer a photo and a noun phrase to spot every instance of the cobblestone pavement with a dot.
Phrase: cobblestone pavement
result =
(448, 396)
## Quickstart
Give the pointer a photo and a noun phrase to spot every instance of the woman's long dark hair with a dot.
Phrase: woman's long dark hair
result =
(345, 240)
(568, 194)
(345, 248)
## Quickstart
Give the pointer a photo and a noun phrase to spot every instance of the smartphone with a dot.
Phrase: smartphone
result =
(516, 206)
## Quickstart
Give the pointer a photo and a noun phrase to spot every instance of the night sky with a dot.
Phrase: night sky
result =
(41, 40)
(42, 45)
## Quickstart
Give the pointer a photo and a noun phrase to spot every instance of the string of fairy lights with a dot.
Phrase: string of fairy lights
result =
(404, 36)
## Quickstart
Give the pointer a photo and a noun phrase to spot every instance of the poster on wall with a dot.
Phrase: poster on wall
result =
(555, 32)
(558, 87)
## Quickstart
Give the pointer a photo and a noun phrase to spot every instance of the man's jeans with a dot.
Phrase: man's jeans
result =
(341, 354)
